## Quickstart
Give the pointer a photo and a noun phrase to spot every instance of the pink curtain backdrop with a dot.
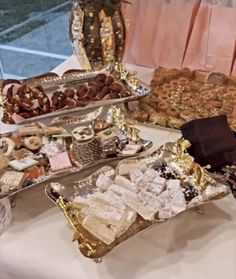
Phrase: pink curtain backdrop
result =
(200, 34)
(234, 68)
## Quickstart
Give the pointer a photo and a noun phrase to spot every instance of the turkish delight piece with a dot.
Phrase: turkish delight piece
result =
(11, 180)
(130, 218)
(98, 229)
(159, 180)
(173, 184)
(165, 213)
(103, 182)
(157, 189)
(178, 206)
(122, 192)
(150, 175)
(22, 164)
(80, 202)
(124, 169)
(109, 198)
(125, 183)
(145, 211)
(144, 196)
(164, 198)
(135, 175)
(107, 214)
(143, 183)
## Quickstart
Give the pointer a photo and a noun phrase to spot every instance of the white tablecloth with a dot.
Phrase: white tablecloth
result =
(38, 243)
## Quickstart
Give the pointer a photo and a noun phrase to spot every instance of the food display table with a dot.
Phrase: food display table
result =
(192, 245)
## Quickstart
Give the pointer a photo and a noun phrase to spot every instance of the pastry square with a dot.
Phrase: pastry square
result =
(23, 163)
(60, 161)
(11, 179)
(131, 149)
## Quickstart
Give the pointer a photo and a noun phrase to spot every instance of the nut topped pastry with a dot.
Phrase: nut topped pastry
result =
(182, 95)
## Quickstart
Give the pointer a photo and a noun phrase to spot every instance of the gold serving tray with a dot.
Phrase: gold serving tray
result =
(90, 246)
(52, 82)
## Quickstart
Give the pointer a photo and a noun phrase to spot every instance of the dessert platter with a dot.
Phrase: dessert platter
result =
(36, 153)
(179, 96)
(113, 204)
(49, 95)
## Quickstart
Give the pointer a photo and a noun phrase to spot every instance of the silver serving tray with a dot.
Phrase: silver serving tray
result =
(69, 124)
(51, 82)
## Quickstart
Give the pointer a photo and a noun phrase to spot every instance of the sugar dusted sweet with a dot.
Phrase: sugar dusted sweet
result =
(150, 174)
(126, 183)
(129, 219)
(135, 175)
(122, 191)
(173, 184)
(178, 206)
(118, 203)
(80, 202)
(157, 189)
(145, 211)
(165, 213)
(124, 169)
(109, 198)
(159, 180)
(98, 229)
(107, 214)
(103, 182)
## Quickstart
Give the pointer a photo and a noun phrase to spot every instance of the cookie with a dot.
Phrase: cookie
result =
(6, 146)
(82, 133)
(33, 143)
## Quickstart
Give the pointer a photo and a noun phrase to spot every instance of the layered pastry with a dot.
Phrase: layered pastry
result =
(179, 96)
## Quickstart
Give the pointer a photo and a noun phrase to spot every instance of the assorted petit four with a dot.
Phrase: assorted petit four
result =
(38, 151)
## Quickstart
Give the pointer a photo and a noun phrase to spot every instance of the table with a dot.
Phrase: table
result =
(38, 243)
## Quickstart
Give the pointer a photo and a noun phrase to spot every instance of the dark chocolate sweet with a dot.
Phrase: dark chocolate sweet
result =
(33, 101)
(81, 91)
(190, 193)
(100, 77)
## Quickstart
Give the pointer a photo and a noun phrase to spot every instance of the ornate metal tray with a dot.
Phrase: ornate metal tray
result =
(51, 82)
(83, 155)
(173, 153)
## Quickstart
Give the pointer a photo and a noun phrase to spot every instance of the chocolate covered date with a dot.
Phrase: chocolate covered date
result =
(26, 102)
